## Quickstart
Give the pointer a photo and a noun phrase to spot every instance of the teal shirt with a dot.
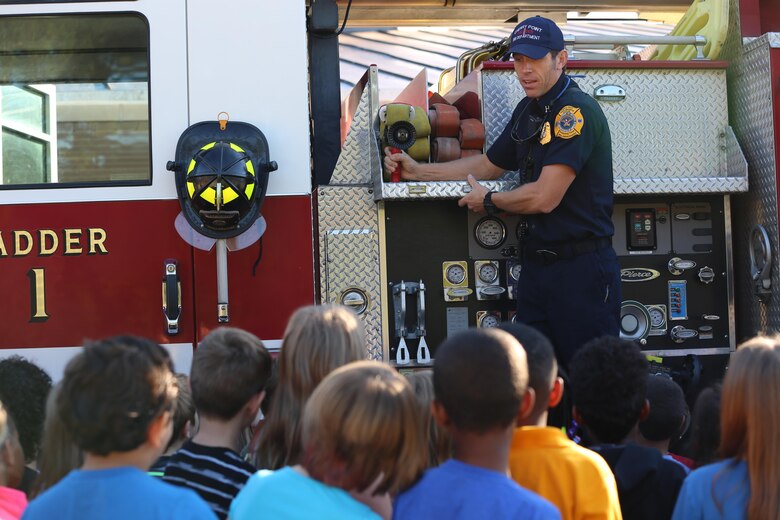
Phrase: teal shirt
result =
(727, 481)
(123, 493)
(288, 495)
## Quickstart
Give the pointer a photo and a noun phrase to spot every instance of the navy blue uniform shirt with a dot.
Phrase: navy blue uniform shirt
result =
(579, 138)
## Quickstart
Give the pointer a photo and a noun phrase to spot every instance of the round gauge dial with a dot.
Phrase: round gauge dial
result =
(488, 273)
(489, 321)
(657, 318)
(490, 233)
(455, 274)
(514, 271)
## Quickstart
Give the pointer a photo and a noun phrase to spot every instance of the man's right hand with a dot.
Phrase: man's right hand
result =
(407, 165)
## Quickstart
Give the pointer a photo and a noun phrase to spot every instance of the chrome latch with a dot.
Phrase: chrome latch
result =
(414, 291)
(680, 334)
(171, 296)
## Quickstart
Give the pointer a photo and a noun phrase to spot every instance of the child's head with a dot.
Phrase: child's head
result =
(184, 415)
(59, 455)
(750, 400)
(608, 378)
(11, 455)
(112, 393)
(439, 441)
(480, 378)
(705, 427)
(542, 369)
(230, 367)
(750, 420)
(318, 339)
(668, 410)
(24, 387)
(363, 422)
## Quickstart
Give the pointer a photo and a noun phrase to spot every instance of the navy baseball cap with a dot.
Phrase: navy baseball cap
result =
(535, 37)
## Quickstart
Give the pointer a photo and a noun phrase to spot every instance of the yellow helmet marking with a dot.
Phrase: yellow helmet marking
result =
(210, 195)
(228, 195)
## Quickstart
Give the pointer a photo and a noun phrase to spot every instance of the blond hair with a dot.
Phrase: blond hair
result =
(318, 339)
(750, 420)
(362, 423)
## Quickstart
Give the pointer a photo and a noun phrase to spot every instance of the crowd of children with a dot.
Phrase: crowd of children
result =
(320, 432)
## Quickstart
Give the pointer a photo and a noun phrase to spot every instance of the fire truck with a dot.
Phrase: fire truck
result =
(123, 120)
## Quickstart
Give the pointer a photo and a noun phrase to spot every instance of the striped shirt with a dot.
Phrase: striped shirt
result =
(216, 474)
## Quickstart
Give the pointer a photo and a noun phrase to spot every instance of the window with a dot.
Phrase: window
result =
(74, 100)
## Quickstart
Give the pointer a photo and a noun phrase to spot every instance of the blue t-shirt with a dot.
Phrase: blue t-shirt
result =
(118, 494)
(286, 495)
(456, 490)
(579, 138)
(727, 482)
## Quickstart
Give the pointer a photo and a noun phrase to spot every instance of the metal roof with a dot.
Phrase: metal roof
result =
(400, 53)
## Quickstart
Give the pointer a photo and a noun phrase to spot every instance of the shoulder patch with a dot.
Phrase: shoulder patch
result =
(568, 122)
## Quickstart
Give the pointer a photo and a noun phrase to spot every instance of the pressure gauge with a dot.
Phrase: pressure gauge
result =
(489, 321)
(657, 318)
(455, 274)
(488, 272)
(490, 233)
(514, 271)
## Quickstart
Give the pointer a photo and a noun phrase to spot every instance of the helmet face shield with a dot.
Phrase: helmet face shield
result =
(221, 177)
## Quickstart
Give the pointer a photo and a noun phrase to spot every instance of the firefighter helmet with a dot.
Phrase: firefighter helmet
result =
(221, 184)
(221, 176)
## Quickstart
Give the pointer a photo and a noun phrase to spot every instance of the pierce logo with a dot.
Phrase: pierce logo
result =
(638, 274)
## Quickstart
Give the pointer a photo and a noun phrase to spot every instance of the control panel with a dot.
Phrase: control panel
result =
(673, 254)
(672, 251)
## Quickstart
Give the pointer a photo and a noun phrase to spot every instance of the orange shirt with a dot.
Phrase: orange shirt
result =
(576, 480)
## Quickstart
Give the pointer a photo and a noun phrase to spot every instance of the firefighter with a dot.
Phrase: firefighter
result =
(559, 140)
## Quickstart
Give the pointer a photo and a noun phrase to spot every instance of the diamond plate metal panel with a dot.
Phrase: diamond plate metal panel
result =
(349, 253)
(735, 163)
(774, 40)
(353, 165)
(687, 185)
(360, 160)
(732, 46)
(436, 190)
(671, 124)
(752, 118)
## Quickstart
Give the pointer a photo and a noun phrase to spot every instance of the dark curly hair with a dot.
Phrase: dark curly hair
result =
(24, 387)
(113, 390)
(608, 378)
(668, 409)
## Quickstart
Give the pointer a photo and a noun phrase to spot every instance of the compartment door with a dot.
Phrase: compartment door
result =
(92, 101)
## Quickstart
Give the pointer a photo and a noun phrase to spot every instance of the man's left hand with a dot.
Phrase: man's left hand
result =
(475, 199)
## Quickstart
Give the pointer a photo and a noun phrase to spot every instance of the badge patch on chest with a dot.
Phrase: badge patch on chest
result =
(568, 122)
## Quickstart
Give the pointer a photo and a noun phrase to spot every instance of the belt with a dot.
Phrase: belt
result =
(549, 253)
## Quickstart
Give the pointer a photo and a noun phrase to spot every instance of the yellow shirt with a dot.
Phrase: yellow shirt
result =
(576, 480)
